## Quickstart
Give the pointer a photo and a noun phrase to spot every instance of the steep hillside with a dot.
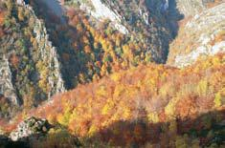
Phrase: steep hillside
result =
(92, 44)
(30, 70)
(112, 73)
(192, 7)
(201, 36)
(150, 22)
(148, 105)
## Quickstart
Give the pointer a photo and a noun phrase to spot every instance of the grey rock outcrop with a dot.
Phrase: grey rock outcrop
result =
(48, 55)
(203, 30)
(30, 127)
(128, 16)
(193, 7)
(6, 85)
(190, 7)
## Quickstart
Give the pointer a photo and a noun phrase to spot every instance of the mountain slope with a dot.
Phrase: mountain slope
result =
(148, 22)
(99, 71)
(31, 63)
(139, 99)
(90, 48)
(202, 35)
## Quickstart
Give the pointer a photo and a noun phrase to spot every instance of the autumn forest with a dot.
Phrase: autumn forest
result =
(76, 80)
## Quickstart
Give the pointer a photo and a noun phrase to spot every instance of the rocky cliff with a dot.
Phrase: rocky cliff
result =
(29, 64)
(151, 22)
(192, 7)
(159, 19)
(6, 85)
(50, 68)
(49, 57)
(202, 35)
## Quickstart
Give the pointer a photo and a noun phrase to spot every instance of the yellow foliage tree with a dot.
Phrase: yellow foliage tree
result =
(218, 100)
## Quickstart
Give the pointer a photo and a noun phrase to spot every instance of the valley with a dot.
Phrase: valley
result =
(102, 73)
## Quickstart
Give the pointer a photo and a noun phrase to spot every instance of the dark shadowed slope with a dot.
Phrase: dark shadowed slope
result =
(55, 6)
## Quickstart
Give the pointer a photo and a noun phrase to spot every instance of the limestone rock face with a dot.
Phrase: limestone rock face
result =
(30, 127)
(6, 85)
(48, 54)
(38, 63)
(203, 35)
(112, 15)
(193, 7)
(190, 7)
